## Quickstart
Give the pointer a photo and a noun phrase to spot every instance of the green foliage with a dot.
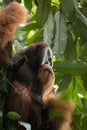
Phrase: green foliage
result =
(13, 115)
(60, 38)
(71, 67)
(49, 27)
(43, 11)
(67, 6)
(28, 4)
(63, 24)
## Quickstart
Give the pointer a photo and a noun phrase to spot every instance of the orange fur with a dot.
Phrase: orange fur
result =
(20, 99)
(22, 96)
(64, 108)
(54, 102)
(10, 17)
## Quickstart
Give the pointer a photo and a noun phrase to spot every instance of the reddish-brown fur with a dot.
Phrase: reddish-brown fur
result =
(10, 17)
(21, 99)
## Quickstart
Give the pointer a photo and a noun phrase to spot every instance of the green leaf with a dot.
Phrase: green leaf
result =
(28, 4)
(13, 115)
(83, 52)
(66, 95)
(70, 51)
(49, 29)
(30, 26)
(67, 6)
(38, 36)
(81, 16)
(69, 67)
(60, 39)
(80, 29)
(65, 82)
(43, 11)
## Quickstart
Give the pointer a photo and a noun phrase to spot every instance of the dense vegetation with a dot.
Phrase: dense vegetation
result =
(63, 24)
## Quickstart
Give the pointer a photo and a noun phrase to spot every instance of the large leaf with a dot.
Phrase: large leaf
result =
(67, 6)
(28, 4)
(49, 29)
(43, 11)
(60, 39)
(70, 51)
(80, 29)
(69, 67)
